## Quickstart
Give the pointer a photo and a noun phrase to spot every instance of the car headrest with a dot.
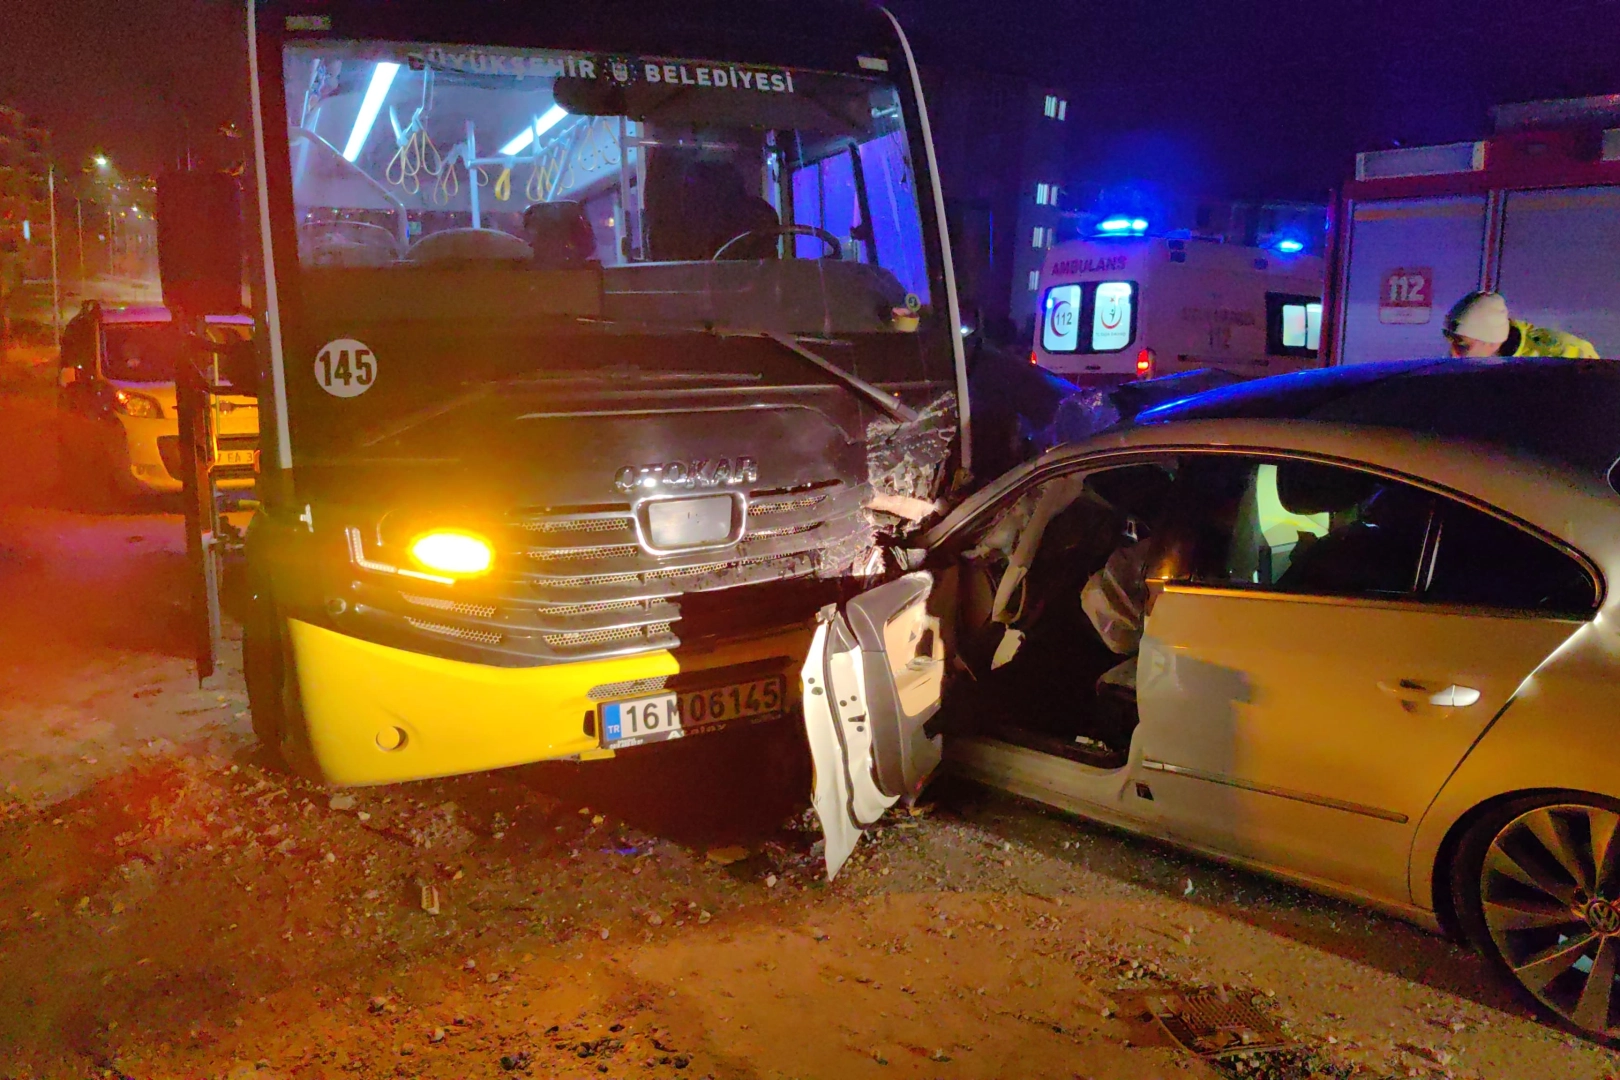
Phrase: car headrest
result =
(1304, 487)
(1137, 490)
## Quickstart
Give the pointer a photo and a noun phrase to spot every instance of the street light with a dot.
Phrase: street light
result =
(101, 161)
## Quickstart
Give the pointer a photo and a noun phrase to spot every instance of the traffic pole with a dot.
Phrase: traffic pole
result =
(56, 281)
(78, 213)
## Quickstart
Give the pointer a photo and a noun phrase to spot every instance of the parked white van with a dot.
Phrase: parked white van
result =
(1136, 307)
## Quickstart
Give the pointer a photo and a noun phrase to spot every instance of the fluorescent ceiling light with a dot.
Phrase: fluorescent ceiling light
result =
(370, 105)
(550, 119)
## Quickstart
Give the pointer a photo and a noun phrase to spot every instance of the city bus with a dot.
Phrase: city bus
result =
(602, 347)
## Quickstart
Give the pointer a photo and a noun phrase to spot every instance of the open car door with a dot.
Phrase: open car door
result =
(870, 684)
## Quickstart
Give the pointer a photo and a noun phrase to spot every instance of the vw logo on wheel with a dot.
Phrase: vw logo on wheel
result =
(1603, 917)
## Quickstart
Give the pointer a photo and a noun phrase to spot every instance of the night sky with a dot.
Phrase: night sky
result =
(1271, 97)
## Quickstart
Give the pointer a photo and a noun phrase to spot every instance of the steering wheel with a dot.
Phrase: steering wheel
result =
(834, 247)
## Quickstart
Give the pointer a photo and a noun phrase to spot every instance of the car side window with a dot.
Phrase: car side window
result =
(1293, 527)
(1484, 561)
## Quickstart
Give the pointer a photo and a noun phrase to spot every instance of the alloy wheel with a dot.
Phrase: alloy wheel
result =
(1550, 897)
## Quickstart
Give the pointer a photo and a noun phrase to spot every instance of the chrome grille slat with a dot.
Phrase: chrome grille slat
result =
(605, 551)
(763, 509)
(608, 636)
(603, 523)
(785, 530)
(460, 633)
(574, 583)
(628, 688)
(457, 607)
(642, 577)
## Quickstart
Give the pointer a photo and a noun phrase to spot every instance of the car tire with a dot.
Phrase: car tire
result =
(1536, 887)
(267, 668)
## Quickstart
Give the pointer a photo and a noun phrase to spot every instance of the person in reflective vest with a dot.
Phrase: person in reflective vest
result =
(1478, 325)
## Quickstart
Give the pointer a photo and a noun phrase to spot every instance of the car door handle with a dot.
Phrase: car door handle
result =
(1413, 692)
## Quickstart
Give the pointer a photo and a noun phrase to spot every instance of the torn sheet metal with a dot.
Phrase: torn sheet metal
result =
(906, 464)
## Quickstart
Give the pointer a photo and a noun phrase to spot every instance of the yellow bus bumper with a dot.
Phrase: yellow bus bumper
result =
(379, 715)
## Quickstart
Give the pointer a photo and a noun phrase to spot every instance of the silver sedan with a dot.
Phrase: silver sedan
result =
(1350, 627)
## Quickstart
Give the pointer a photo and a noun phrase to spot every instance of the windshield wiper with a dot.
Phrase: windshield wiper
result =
(793, 344)
(537, 378)
(881, 398)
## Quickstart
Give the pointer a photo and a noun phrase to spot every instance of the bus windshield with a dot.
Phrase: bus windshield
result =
(713, 194)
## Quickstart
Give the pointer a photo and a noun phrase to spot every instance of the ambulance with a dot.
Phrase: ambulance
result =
(1117, 308)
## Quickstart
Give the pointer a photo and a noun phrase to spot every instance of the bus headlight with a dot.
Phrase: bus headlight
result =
(453, 552)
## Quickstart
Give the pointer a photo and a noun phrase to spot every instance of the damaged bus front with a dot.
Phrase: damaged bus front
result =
(603, 347)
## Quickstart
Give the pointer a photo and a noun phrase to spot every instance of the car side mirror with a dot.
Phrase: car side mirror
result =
(199, 236)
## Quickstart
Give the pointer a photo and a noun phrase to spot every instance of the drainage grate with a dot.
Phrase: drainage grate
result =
(1214, 1024)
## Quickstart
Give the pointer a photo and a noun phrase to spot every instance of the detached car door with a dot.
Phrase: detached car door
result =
(1324, 647)
(871, 683)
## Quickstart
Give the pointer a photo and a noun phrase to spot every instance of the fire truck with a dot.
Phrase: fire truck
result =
(1531, 212)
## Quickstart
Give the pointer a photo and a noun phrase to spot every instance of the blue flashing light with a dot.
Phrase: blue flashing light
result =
(1122, 226)
(1290, 246)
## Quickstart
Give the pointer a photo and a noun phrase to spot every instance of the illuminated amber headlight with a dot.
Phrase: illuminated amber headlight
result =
(453, 552)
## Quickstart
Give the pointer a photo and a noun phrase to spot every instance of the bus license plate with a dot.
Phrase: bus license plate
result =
(236, 458)
(670, 715)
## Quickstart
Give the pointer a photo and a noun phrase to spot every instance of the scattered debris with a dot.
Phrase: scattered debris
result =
(725, 856)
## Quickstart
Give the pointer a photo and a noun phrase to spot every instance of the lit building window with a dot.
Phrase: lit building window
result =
(1051, 105)
(1040, 194)
(1056, 108)
(1063, 109)
(1039, 239)
(1034, 280)
(1046, 194)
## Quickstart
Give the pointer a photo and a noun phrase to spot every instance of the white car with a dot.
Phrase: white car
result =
(1350, 627)
(120, 432)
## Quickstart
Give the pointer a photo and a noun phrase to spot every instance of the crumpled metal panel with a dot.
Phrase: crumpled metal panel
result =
(909, 459)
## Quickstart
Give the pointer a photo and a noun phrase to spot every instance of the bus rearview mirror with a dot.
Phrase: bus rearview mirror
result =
(199, 233)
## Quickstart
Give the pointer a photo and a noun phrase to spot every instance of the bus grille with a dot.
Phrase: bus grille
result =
(576, 584)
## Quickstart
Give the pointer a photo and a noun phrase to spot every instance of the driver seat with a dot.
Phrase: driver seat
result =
(694, 208)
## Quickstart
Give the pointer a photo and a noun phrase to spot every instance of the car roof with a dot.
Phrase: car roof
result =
(1561, 411)
(1575, 507)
